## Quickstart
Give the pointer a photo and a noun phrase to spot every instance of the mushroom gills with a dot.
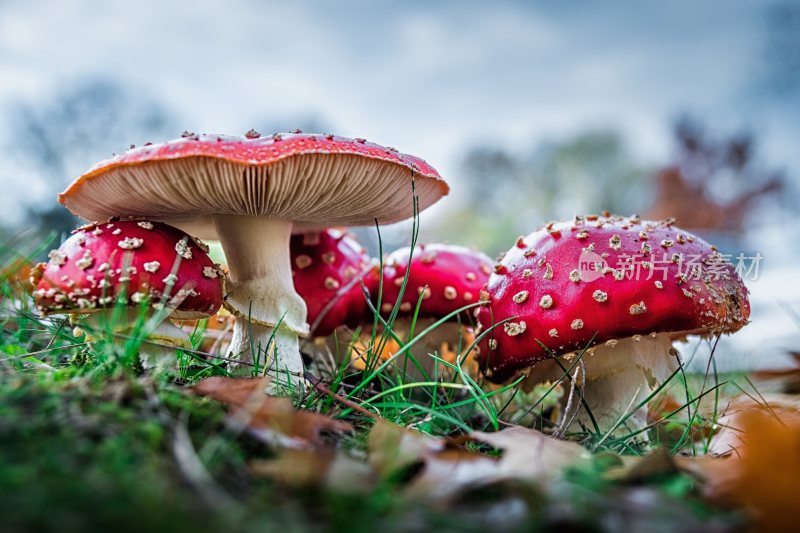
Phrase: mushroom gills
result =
(619, 376)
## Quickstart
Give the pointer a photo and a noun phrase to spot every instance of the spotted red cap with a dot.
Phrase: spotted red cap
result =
(100, 261)
(599, 278)
(327, 267)
(449, 277)
(318, 181)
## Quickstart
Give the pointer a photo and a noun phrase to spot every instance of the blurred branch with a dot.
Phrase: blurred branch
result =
(715, 182)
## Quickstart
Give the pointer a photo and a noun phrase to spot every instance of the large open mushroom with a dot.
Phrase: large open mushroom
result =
(251, 193)
(624, 288)
(116, 268)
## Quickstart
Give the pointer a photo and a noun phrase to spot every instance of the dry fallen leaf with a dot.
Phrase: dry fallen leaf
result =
(442, 471)
(761, 471)
(634, 469)
(272, 418)
(447, 469)
(18, 271)
(530, 454)
(730, 434)
(453, 471)
(392, 447)
(444, 341)
(331, 469)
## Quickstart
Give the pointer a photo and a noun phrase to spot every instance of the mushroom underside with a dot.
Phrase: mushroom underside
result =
(315, 191)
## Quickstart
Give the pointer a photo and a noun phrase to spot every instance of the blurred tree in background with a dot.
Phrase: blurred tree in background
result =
(59, 140)
(509, 194)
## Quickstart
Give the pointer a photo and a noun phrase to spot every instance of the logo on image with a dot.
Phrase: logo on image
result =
(591, 266)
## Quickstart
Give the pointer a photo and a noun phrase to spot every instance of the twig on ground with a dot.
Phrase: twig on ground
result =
(317, 384)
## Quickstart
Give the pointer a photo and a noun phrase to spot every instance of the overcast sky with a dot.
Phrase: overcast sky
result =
(427, 77)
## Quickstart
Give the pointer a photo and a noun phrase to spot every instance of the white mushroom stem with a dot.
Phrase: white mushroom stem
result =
(278, 351)
(270, 315)
(162, 336)
(619, 376)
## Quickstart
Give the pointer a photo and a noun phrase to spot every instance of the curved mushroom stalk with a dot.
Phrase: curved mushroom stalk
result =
(619, 376)
(163, 337)
(270, 315)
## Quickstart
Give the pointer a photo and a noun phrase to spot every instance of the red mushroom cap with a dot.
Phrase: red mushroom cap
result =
(316, 180)
(448, 276)
(99, 261)
(258, 150)
(602, 278)
(327, 267)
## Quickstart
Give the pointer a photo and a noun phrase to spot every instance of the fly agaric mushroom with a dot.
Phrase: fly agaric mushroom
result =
(130, 264)
(251, 193)
(443, 278)
(624, 288)
(327, 267)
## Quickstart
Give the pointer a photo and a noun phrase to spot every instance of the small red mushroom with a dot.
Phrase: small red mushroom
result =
(443, 278)
(327, 268)
(130, 263)
(624, 287)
